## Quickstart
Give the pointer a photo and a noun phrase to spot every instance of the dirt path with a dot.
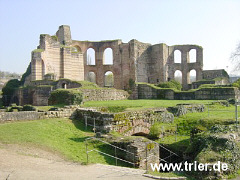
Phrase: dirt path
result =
(23, 163)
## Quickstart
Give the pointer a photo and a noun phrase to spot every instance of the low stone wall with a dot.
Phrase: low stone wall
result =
(147, 91)
(217, 93)
(140, 151)
(38, 96)
(103, 94)
(66, 112)
(127, 123)
(18, 116)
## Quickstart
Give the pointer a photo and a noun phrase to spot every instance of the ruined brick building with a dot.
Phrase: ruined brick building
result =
(61, 57)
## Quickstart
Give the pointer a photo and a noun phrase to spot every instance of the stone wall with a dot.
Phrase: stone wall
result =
(217, 93)
(141, 151)
(38, 92)
(148, 91)
(18, 116)
(66, 112)
(127, 123)
(212, 74)
(55, 56)
(137, 61)
(103, 94)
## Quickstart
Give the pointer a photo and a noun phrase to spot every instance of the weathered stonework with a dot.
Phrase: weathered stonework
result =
(137, 61)
(38, 92)
(212, 74)
(140, 151)
(147, 91)
(127, 123)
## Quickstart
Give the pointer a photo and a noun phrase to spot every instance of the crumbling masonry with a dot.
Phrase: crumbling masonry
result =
(61, 57)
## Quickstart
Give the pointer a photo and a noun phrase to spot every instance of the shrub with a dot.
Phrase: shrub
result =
(65, 96)
(28, 107)
(9, 90)
(171, 84)
(14, 107)
(155, 131)
(161, 129)
(236, 83)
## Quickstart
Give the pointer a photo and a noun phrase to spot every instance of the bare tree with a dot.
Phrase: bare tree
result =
(235, 59)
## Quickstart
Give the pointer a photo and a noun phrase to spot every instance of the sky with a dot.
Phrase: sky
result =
(212, 24)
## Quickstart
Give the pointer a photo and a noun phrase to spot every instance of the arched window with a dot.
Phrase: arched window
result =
(192, 75)
(76, 49)
(177, 56)
(192, 55)
(64, 85)
(91, 57)
(178, 76)
(108, 57)
(108, 79)
(91, 77)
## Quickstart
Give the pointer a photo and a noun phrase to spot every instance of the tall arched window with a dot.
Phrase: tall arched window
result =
(108, 56)
(192, 74)
(91, 77)
(178, 76)
(91, 57)
(192, 55)
(108, 79)
(177, 56)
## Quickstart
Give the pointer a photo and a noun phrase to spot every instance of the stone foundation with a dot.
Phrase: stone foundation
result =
(149, 91)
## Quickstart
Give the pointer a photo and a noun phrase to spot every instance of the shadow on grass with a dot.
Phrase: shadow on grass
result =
(79, 124)
(107, 151)
(178, 147)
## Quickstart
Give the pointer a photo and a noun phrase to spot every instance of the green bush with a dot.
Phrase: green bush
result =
(65, 96)
(14, 108)
(170, 84)
(155, 131)
(28, 107)
(9, 89)
(236, 83)
(163, 129)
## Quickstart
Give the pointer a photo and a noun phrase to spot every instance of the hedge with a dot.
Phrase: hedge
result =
(65, 96)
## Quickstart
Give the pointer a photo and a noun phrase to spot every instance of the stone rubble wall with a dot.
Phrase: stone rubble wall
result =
(103, 94)
(140, 151)
(147, 91)
(66, 112)
(126, 123)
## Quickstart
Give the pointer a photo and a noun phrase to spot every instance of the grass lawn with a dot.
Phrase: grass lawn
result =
(140, 104)
(57, 135)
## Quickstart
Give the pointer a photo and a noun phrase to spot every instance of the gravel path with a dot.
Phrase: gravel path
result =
(23, 163)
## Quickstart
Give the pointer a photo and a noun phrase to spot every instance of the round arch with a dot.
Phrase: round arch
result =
(178, 76)
(76, 49)
(90, 54)
(177, 56)
(192, 76)
(109, 79)
(108, 56)
(192, 55)
(91, 76)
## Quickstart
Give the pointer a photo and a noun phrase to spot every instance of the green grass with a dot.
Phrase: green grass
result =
(57, 135)
(141, 104)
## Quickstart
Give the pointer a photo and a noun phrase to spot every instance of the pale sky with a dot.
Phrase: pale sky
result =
(212, 24)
